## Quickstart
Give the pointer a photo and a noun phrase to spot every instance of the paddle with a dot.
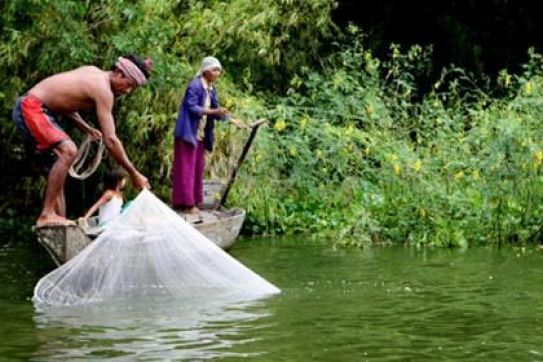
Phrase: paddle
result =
(226, 189)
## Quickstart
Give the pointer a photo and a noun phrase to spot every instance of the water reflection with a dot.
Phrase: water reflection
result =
(188, 329)
(387, 304)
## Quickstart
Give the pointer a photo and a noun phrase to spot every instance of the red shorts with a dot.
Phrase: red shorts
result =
(40, 123)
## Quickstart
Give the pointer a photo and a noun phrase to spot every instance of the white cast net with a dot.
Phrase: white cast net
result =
(149, 252)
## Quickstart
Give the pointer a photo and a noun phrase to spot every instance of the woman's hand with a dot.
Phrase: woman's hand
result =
(219, 112)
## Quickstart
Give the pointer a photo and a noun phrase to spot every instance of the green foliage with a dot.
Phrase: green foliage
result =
(353, 154)
(42, 37)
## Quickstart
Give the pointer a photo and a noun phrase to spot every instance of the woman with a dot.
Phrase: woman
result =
(194, 135)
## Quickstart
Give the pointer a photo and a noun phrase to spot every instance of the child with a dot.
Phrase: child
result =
(110, 204)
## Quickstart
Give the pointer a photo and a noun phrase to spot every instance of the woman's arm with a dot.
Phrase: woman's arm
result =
(192, 99)
(106, 196)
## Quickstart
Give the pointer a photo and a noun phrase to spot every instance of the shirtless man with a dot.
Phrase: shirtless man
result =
(64, 94)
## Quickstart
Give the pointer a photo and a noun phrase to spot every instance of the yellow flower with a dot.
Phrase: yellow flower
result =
(395, 53)
(280, 125)
(349, 131)
(293, 152)
(417, 166)
(258, 157)
(538, 158)
(397, 169)
(303, 122)
(507, 80)
(459, 175)
(318, 153)
(369, 109)
(337, 80)
(228, 103)
(528, 88)
(422, 212)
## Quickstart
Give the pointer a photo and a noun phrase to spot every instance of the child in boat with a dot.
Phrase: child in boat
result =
(110, 204)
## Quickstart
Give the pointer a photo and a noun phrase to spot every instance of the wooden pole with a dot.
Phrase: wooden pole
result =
(226, 189)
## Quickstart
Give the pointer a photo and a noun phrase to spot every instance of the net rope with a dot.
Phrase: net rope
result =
(88, 158)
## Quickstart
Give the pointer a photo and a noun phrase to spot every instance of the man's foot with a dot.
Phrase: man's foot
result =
(53, 219)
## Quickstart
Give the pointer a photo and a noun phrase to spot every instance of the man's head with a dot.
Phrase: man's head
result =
(130, 72)
(211, 69)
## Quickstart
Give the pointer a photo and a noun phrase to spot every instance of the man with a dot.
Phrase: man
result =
(64, 94)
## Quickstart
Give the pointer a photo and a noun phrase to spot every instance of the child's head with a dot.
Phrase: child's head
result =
(114, 179)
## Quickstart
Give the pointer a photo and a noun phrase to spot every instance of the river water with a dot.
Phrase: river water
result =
(380, 304)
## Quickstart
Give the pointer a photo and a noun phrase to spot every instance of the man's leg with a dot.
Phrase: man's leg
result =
(61, 204)
(66, 152)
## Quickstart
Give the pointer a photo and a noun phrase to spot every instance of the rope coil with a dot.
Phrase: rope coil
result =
(82, 168)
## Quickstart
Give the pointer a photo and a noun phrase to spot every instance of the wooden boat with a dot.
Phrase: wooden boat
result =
(219, 225)
(64, 242)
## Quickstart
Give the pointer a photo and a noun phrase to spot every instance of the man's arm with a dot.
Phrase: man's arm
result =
(84, 126)
(104, 106)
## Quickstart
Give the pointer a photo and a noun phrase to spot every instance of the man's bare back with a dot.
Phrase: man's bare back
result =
(75, 90)
(65, 94)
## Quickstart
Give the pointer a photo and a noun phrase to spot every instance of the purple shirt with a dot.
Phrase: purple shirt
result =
(191, 111)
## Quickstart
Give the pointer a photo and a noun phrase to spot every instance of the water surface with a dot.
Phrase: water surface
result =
(391, 304)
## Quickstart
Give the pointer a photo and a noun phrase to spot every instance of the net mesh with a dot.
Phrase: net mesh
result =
(149, 252)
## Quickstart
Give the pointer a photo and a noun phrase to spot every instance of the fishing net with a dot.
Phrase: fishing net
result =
(149, 252)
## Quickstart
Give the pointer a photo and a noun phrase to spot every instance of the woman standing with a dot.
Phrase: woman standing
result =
(194, 135)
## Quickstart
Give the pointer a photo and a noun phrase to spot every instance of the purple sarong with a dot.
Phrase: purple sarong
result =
(188, 173)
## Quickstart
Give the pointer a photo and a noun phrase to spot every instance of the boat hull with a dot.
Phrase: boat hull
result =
(65, 242)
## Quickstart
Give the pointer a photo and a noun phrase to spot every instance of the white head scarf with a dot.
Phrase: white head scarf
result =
(207, 64)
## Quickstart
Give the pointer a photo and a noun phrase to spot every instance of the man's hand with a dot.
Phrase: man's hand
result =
(94, 134)
(140, 182)
(238, 123)
(80, 123)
